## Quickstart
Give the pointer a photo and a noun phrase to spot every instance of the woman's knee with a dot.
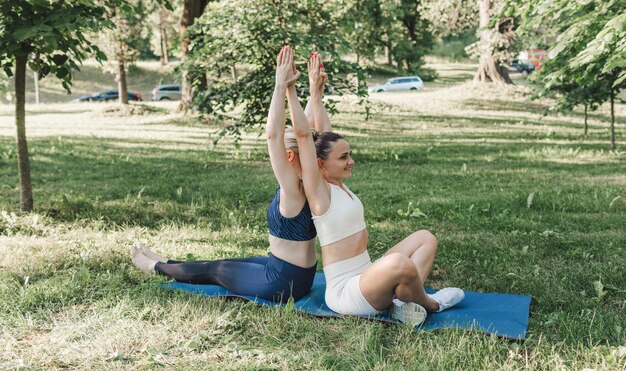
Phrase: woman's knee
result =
(426, 237)
(400, 265)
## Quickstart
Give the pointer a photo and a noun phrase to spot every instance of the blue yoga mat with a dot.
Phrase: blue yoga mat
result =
(505, 315)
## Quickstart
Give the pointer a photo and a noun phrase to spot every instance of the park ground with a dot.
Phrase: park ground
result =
(521, 203)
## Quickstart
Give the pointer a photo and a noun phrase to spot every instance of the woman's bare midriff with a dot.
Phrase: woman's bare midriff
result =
(346, 248)
(300, 253)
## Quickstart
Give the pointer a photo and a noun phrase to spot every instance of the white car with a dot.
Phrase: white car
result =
(399, 84)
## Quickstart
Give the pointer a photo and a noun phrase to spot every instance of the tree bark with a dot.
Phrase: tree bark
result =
(162, 45)
(37, 95)
(234, 73)
(388, 53)
(586, 116)
(163, 37)
(489, 70)
(166, 48)
(122, 86)
(612, 130)
(192, 9)
(23, 162)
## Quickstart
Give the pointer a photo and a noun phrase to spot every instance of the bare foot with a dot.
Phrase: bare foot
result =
(151, 254)
(141, 261)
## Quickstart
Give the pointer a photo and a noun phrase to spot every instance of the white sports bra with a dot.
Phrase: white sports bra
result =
(343, 218)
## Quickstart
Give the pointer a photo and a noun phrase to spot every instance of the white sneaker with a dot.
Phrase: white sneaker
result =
(410, 314)
(448, 297)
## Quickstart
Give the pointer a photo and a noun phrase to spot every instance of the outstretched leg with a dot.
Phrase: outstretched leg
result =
(260, 276)
(230, 273)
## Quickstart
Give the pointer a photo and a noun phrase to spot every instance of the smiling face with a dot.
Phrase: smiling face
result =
(338, 164)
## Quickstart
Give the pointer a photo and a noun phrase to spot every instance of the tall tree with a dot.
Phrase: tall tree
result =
(362, 27)
(163, 14)
(492, 49)
(49, 37)
(588, 52)
(418, 38)
(166, 23)
(192, 9)
(399, 28)
(123, 43)
(450, 17)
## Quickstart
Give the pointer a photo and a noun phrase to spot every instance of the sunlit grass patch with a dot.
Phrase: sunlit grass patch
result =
(561, 154)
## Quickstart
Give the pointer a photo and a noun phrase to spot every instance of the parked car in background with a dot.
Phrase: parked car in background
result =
(107, 95)
(523, 67)
(399, 84)
(166, 92)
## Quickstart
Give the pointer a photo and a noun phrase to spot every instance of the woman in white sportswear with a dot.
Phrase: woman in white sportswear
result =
(355, 284)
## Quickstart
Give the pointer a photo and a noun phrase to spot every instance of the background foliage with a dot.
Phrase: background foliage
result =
(246, 36)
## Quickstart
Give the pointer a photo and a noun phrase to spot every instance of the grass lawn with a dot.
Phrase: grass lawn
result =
(520, 202)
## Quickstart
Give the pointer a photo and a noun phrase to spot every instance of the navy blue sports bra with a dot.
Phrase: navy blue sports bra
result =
(298, 228)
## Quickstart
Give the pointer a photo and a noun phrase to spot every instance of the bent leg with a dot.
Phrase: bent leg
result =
(394, 275)
(420, 247)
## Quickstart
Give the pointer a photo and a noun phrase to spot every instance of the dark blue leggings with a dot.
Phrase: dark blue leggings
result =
(266, 277)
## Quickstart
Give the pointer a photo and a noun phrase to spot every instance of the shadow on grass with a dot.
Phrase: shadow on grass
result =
(87, 179)
(95, 180)
(499, 105)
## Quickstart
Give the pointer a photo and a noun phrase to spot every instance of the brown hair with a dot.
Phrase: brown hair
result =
(324, 142)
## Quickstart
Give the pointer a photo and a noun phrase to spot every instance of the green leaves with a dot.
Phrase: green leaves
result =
(59, 59)
(51, 33)
(232, 34)
(586, 65)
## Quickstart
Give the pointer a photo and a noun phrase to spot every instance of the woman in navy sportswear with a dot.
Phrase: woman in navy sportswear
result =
(289, 269)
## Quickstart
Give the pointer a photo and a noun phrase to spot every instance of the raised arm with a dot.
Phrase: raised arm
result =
(275, 129)
(317, 82)
(317, 192)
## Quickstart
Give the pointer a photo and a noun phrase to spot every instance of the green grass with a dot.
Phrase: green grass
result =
(521, 203)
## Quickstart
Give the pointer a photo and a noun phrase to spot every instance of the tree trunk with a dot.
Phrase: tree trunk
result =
(122, 87)
(166, 48)
(192, 9)
(586, 116)
(163, 37)
(234, 73)
(203, 82)
(388, 54)
(23, 162)
(162, 45)
(36, 78)
(489, 70)
(612, 130)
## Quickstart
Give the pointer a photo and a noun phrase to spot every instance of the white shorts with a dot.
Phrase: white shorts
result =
(343, 294)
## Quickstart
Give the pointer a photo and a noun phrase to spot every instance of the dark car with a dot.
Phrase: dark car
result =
(523, 67)
(107, 95)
